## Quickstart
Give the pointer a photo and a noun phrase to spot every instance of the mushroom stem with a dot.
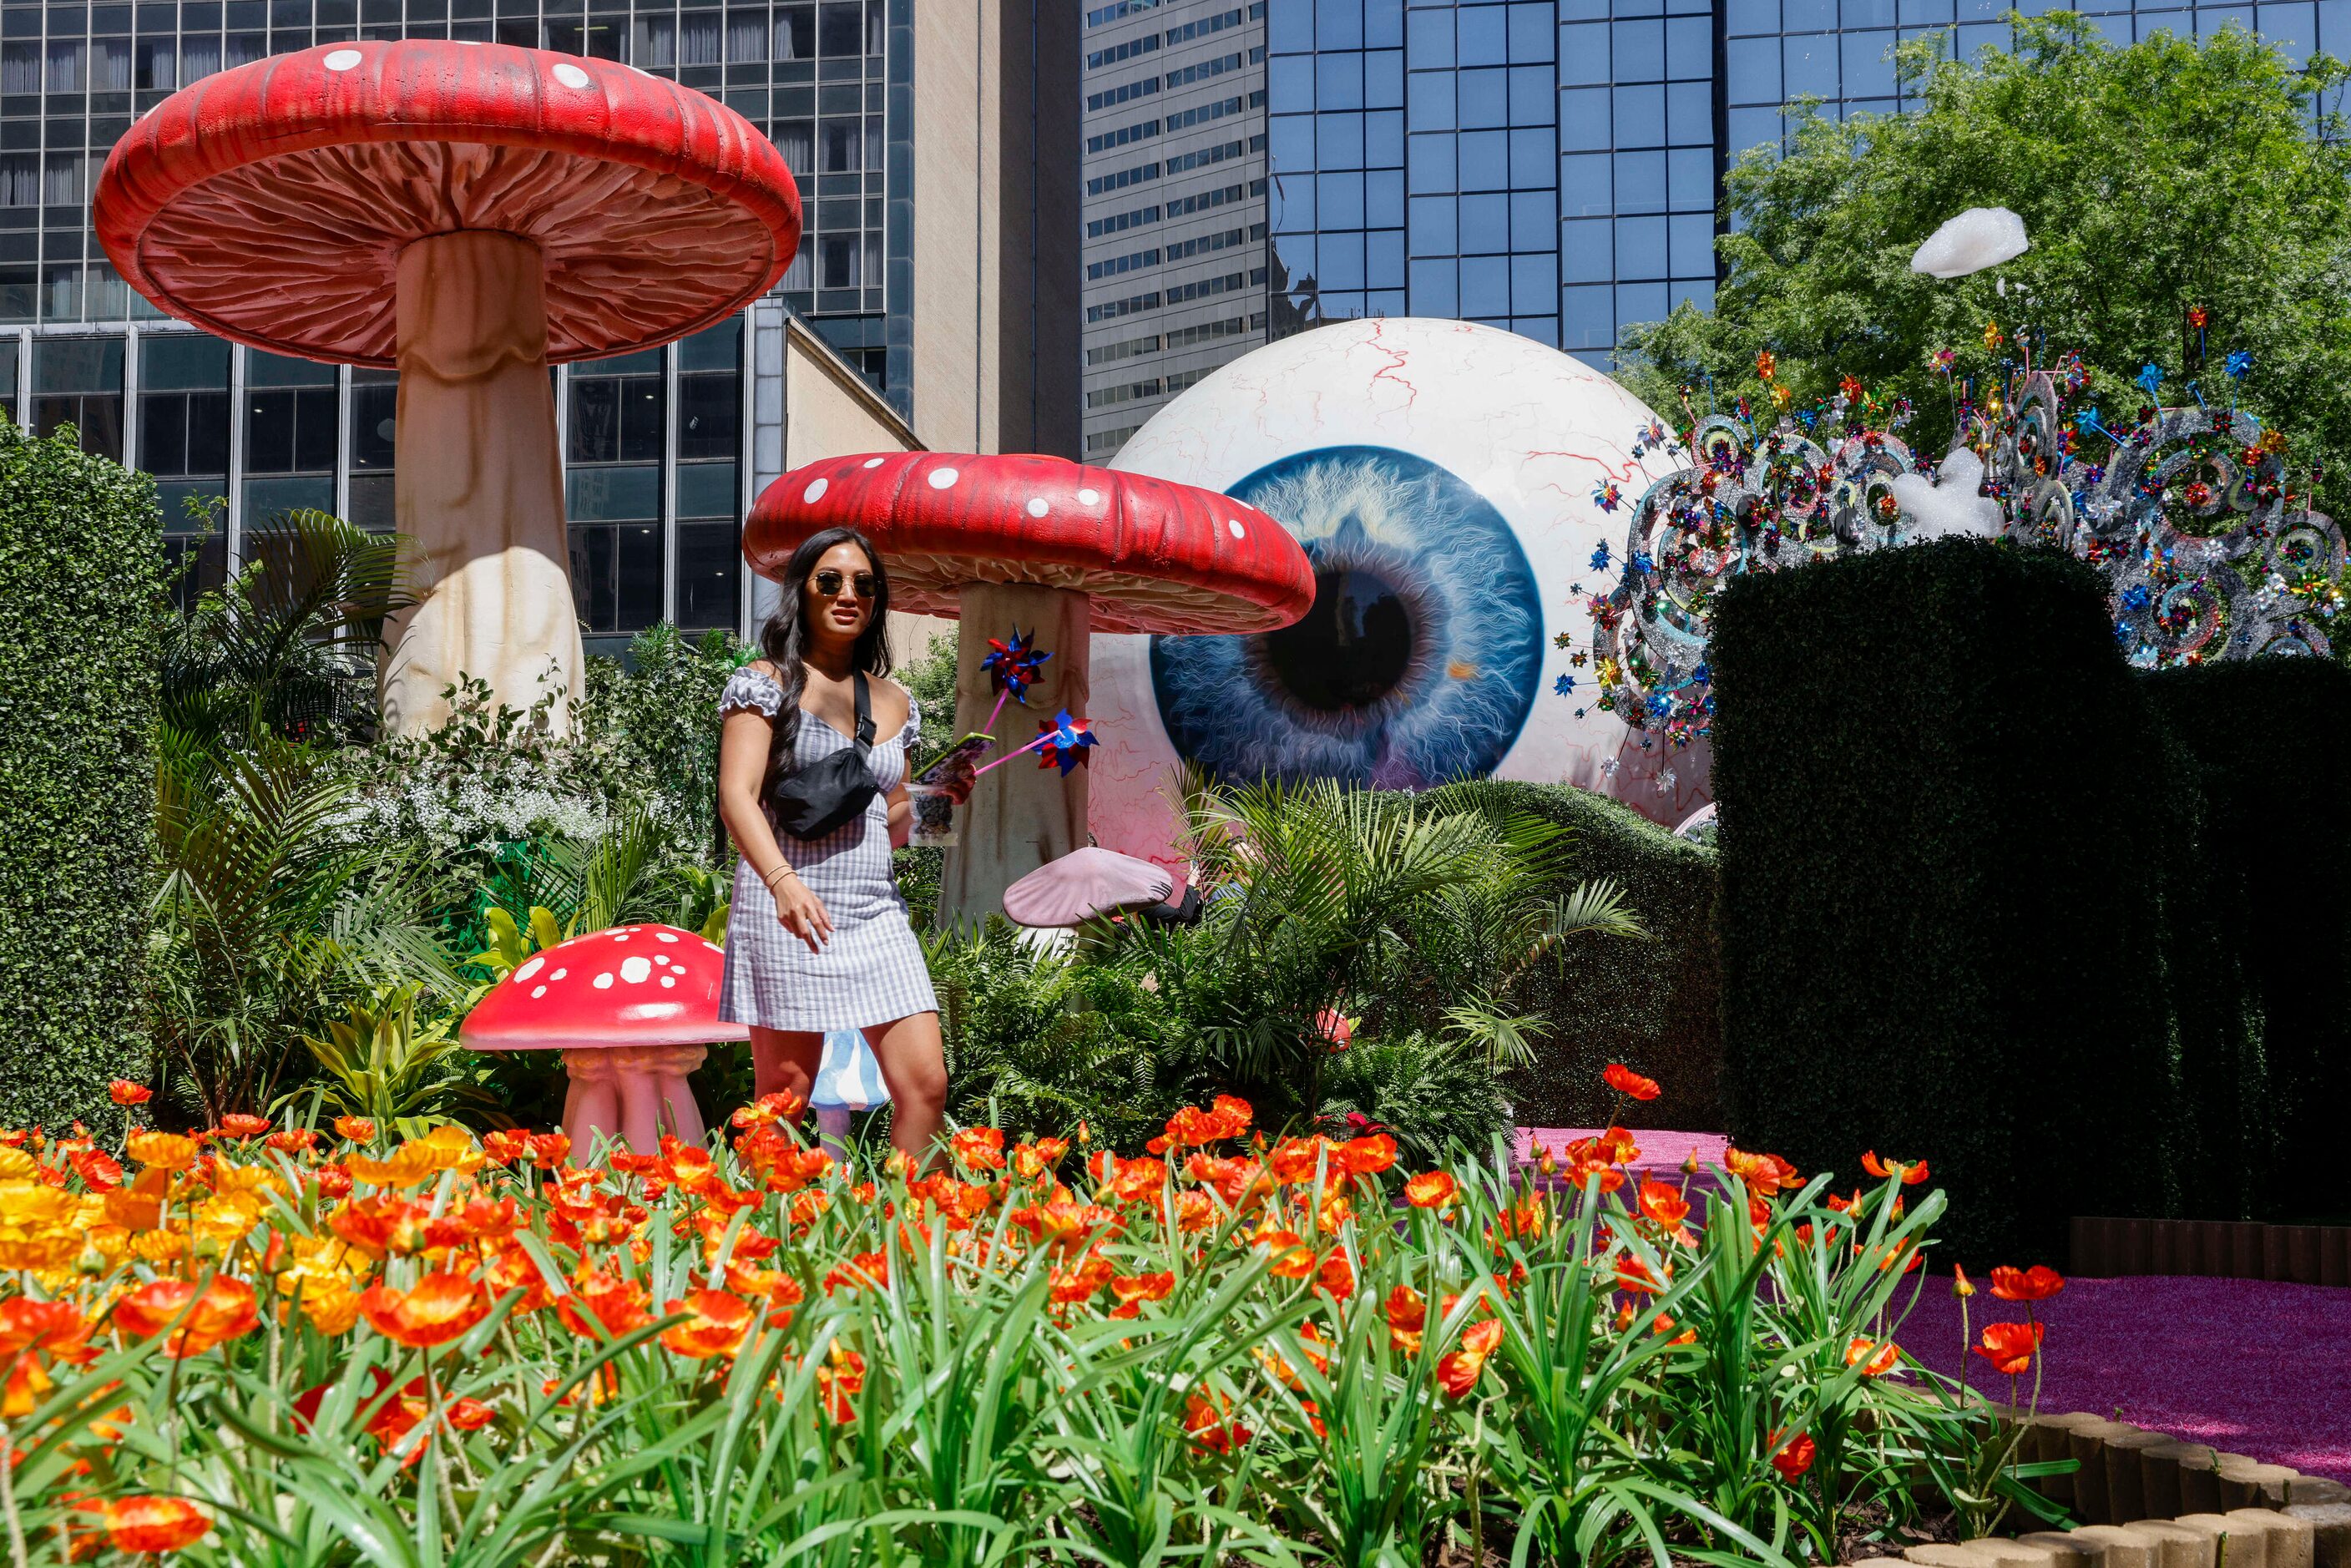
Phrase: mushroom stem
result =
(479, 487)
(1019, 816)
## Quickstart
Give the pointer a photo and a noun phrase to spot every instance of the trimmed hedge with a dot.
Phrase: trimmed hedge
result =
(1654, 1006)
(2271, 742)
(1950, 826)
(81, 587)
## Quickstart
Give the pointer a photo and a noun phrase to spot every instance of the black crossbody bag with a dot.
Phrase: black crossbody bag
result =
(817, 799)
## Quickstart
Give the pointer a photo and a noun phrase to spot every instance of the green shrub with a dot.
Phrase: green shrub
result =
(2280, 847)
(1951, 831)
(81, 587)
(1655, 1006)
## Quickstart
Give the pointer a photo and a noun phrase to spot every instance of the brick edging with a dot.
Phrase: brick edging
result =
(2104, 1248)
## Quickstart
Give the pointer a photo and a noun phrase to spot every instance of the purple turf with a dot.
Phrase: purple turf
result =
(2248, 1365)
(2251, 1366)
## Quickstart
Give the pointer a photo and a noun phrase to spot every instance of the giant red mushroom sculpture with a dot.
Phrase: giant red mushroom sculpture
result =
(1061, 549)
(471, 213)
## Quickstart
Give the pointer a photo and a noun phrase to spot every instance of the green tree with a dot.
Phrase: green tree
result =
(2167, 175)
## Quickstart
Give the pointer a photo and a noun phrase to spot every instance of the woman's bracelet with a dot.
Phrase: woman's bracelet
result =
(783, 870)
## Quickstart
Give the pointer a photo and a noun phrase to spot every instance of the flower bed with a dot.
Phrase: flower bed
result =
(262, 1343)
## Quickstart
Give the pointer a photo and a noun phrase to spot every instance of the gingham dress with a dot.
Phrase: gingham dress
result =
(870, 970)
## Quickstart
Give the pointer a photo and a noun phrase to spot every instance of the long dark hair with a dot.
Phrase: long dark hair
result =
(783, 642)
(784, 638)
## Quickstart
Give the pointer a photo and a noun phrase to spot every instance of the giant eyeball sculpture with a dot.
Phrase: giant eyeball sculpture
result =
(1462, 494)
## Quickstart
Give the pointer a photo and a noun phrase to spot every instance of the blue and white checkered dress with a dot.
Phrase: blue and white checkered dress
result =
(870, 970)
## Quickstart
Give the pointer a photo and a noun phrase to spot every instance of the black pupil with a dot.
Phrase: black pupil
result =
(1352, 648)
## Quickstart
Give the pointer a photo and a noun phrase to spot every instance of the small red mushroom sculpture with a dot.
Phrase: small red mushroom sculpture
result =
(631, 1008)
(1063, 550)
(471, 213)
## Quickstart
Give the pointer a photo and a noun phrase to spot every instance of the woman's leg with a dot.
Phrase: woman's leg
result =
(913, 1064)
(785, 1060)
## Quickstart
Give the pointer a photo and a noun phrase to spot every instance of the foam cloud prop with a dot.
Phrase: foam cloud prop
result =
(1975, 239)
(1948, 507)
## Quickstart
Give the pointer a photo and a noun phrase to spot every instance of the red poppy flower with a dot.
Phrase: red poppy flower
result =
(2010, 1347)
(1794, 1459)
(606, 1301)
(1457, 1373)
(140, 1524)
(2037, 1283)
(123, 1091)
(1911, 1174)
(442, 1307)
(1625, 1081)
(1407, 1316)
(982, 1148)
(224, 1310)
(1874, 1357)
(1132, 1291)
(1431, 1190)
(1209, 1428)
(237, 1124)
(714, 1325)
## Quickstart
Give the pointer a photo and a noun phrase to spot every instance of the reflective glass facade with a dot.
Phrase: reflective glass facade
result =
(1553, 166)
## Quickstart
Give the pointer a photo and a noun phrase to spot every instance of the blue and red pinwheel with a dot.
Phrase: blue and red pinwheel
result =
(1064, 743)
(1012, 667)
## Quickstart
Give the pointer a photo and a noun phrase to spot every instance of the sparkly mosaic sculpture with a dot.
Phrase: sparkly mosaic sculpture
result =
(2212, 549)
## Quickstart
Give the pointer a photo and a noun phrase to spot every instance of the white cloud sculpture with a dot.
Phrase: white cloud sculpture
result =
(1948, 507)
(1978, 238)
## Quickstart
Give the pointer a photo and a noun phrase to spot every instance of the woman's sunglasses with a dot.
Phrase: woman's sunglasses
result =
(828, 583)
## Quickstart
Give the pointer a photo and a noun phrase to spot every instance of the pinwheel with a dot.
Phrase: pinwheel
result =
(1012, 668)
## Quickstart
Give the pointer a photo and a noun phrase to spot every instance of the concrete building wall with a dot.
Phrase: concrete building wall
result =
(1175, 205)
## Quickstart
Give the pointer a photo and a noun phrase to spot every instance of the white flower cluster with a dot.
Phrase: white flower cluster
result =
(474, 816)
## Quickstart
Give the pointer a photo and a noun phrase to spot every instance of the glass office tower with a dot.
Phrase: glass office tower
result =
(1173, 202)
(1553, 166)
(656, 443)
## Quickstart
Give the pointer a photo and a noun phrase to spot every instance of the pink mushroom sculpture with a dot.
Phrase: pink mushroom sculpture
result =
(1084, 883)
(1056, 547)
(633, 1009)
(470, 212)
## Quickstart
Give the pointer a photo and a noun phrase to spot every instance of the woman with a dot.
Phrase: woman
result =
(818, 937)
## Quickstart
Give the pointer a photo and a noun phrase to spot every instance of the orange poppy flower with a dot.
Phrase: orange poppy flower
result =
(2010, 1347)
(237, 1124)
(1961, 1286)
(1082, 1282)
(715, 1325)
(164, 1151)
(982, 1148)
(768, 1109)
(1336, 1275)
(1195, 1211)
(123, 1091)
(441, 1308)
(1625, 1081)
(468, 1415)
(1134, 1290)
(841, 1377)
(504, 1147)
(863, 1272)
(1407, 1316)
(1291, 1258)
(1457, 1373)
(1297, 1159)
(1366, 1155)
(1874, 1358)
(1765, 1175)
(1430, 1191)
(1910, 1174)
(1664, 1208)
(1033, 1160)
(223, 1310)
(1209, 1426)
(1794, 1459)
(141, 1524)
(1064, 1226)
(607, 1301)
(2037, 1283)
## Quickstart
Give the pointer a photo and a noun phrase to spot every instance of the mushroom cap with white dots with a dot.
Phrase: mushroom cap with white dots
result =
(1151, 555)
(629, 985)
(270, 203)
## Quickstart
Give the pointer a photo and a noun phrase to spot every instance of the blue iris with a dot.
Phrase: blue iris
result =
(1420, 660)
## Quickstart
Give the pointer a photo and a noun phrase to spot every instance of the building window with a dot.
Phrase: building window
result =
(290, 428)
(375, 422)
(616, 409)
(613, 492)
(77, 382)
(183, 442)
